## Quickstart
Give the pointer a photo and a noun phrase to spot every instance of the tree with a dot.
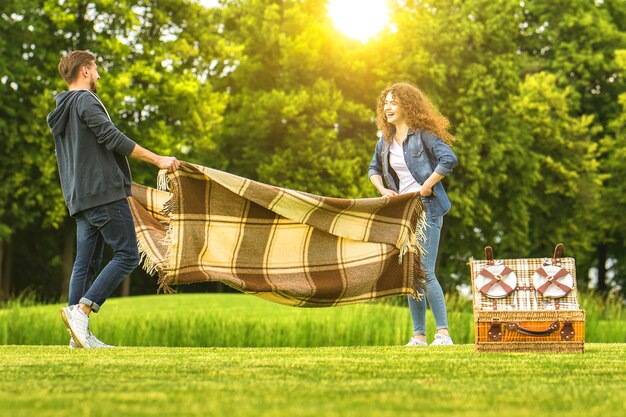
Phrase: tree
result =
(270, 90)
(524, 151)
(463, 55)
(29, 191)
(579, 43)
(610, 208)
(156, 64)
(288, 121)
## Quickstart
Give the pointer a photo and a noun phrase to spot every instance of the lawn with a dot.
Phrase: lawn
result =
(51, 381)
(236, 355)
(236, 320)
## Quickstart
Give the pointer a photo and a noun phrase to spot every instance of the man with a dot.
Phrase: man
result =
(95, 178)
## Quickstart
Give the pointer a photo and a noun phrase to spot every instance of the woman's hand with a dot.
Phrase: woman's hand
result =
(388, 192)
(426, 191)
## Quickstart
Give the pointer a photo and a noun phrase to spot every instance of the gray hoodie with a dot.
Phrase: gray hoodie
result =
(91, 152)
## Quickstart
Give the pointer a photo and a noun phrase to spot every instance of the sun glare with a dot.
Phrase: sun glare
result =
(359, 19)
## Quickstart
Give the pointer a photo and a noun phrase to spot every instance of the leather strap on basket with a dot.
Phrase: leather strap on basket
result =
(495, 331)
(558, 253)
(495, 279)
(567, 332)
(553, 280)
(489, 254)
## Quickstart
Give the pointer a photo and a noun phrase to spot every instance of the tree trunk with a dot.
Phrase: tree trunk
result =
(67, 257)
(80, 41)
(1, 268)
(602, 268)
(7, 264)
(126, 287)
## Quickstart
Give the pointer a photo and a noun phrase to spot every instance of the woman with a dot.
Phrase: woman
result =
(414, 155)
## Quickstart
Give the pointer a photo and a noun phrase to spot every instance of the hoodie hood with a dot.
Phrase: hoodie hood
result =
(57, 119)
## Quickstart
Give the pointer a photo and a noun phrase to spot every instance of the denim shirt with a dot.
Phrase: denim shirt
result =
(423, 153)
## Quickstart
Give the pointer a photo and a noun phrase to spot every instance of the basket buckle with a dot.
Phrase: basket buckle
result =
(495, 331)
(567, 331)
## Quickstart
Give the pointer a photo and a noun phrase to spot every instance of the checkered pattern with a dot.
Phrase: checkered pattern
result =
(282, 245)
(525, 296)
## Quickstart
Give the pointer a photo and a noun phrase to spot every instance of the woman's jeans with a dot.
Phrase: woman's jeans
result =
(112, 224)
(434, 294)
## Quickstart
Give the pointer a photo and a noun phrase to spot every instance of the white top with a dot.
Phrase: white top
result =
(397, 162)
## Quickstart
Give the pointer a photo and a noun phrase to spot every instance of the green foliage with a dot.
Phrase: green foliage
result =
(610, 221)
(288, 121)
(560, 176)
(29, 187)
(271, 90)
(581, 47)
(314, 157)
(527, 172)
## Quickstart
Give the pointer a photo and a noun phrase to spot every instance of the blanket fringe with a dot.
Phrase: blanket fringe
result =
(415, 231)
(163, 181)
(165, 279)
(163, 184)
(164, 286)
(168, 207)
(150, 267)
(147, 264)
(410, 243)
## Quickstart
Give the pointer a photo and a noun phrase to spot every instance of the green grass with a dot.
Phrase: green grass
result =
(235, 320)
(226, 320)
(50, 381)
(240, 369)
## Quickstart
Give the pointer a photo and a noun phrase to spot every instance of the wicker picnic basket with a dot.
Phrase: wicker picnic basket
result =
(526, 305)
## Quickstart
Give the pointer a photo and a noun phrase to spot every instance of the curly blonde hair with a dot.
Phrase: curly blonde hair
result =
(420, 112)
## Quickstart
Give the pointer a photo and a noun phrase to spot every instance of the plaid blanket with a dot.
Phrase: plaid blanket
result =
(282, 245)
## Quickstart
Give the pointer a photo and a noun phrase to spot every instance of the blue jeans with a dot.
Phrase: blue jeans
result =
(112, 224)
(434, 293)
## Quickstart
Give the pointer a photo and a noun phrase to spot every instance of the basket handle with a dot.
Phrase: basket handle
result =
(495, 332)
(516, 327)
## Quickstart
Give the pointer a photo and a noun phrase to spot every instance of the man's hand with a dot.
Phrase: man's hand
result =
(168, 162)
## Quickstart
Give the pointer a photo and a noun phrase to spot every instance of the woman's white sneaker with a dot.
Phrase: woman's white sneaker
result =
(441, 339)
(416, 342)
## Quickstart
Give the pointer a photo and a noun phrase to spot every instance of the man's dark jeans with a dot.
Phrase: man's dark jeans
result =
(112, 224)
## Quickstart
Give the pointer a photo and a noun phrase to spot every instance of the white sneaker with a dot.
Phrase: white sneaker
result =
(77, 323)
(95, 343)
(416, 342)
(92, 341)
(441, 340)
